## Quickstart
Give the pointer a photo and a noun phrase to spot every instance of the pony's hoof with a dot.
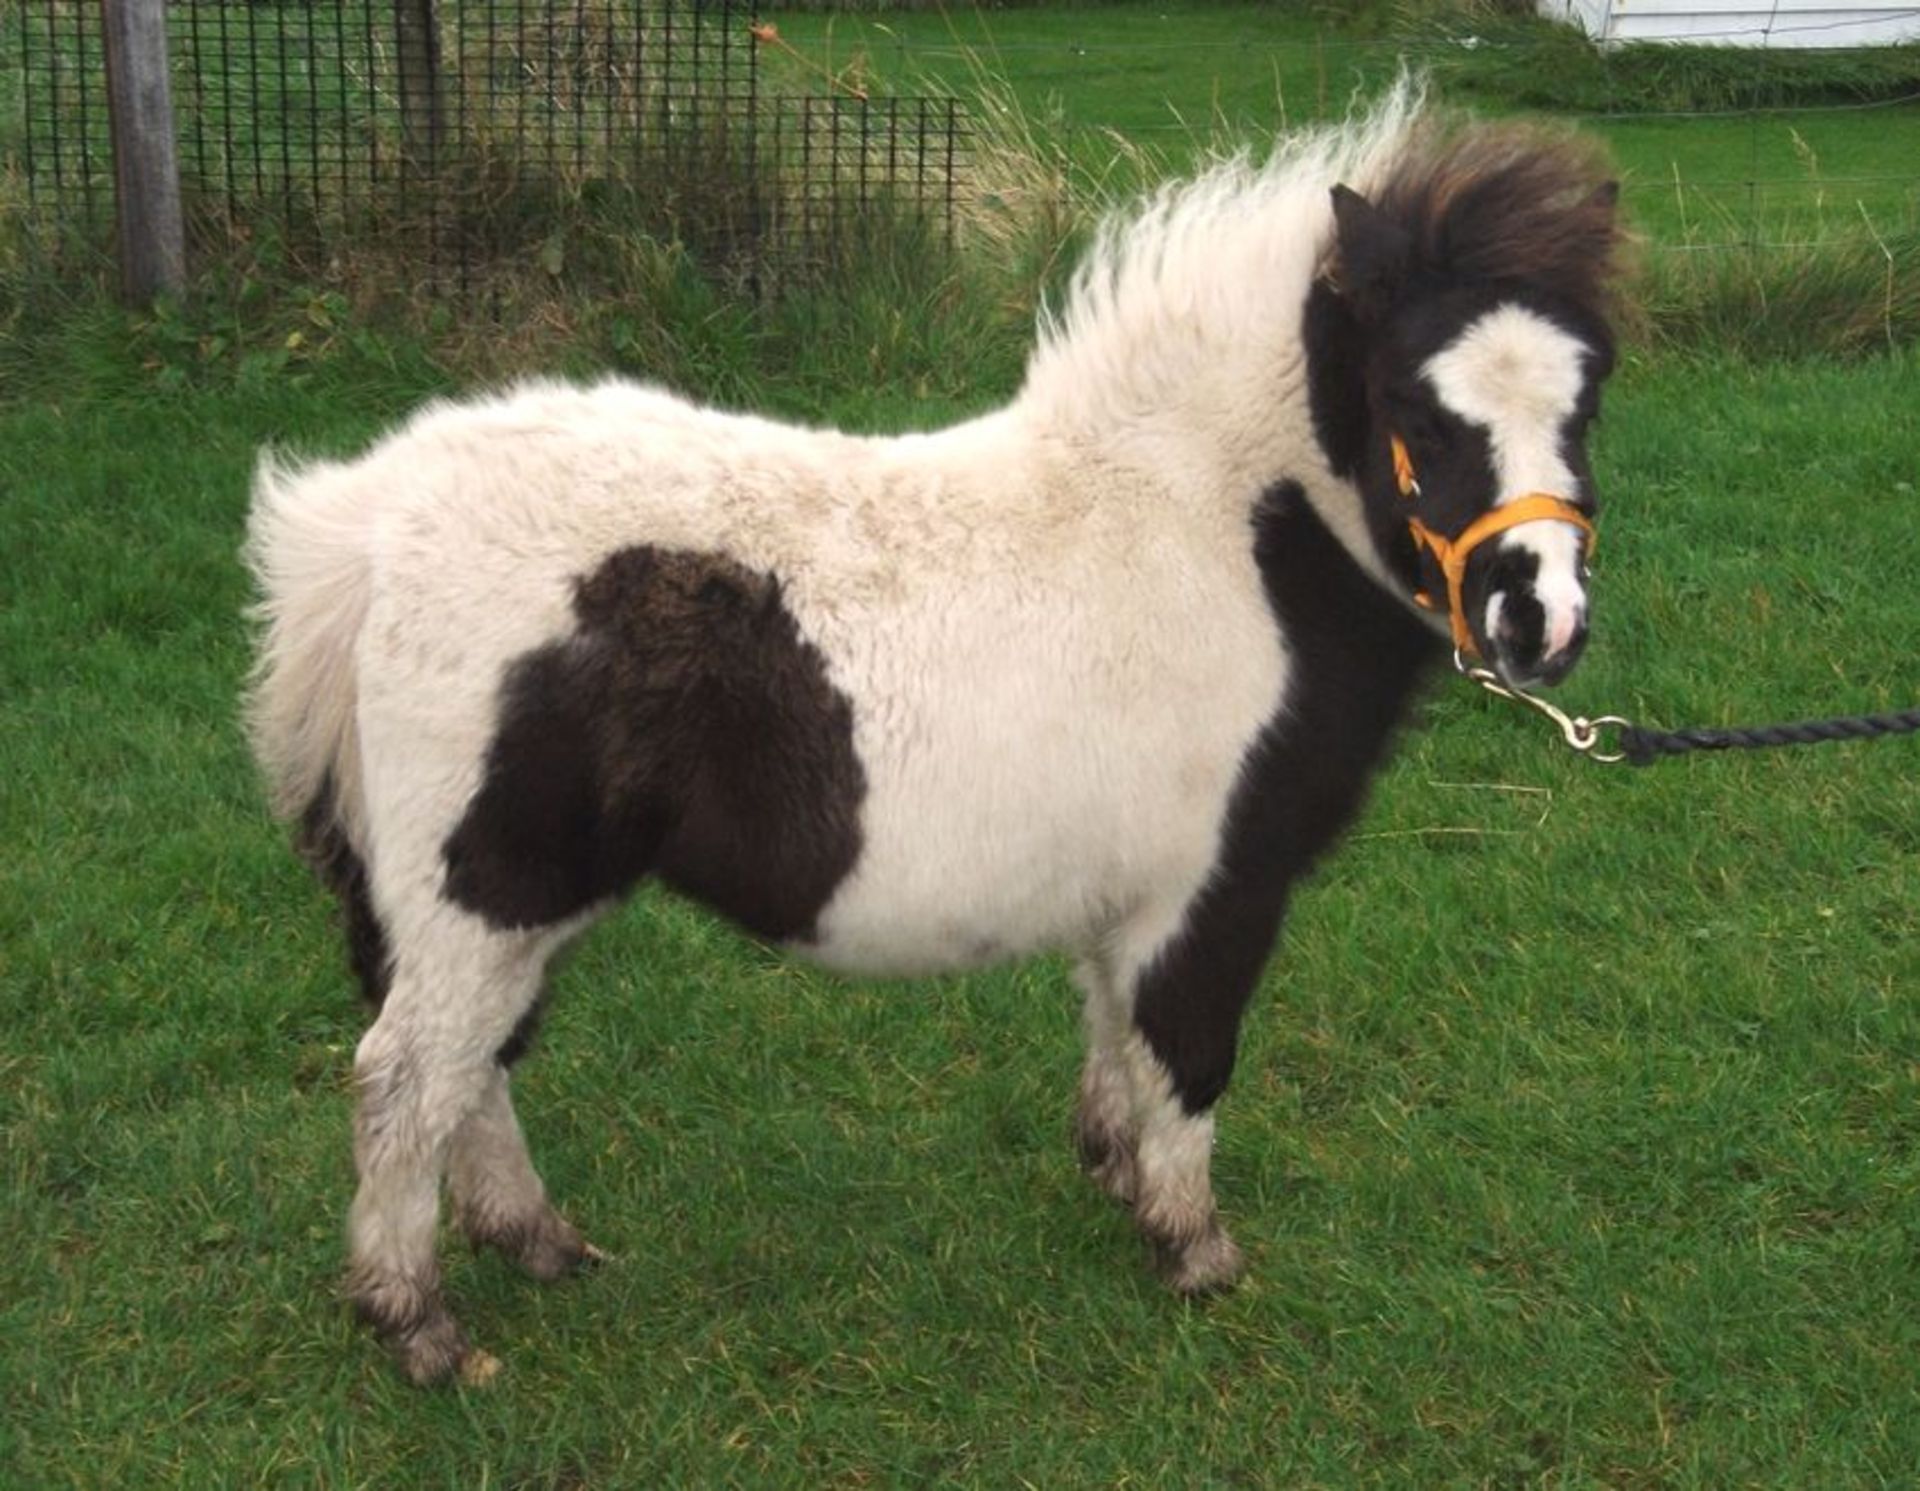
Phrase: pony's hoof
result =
(479, 1369)
(547, 1248)
(555, 1252)
(412, 1322)
(432, 1351)
(1211, 1263)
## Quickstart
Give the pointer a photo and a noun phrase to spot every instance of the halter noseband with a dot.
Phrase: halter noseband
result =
(1452, 554)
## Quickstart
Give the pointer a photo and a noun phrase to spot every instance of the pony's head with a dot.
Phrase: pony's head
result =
(1474, 282)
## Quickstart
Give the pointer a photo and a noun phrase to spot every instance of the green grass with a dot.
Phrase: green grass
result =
(1574, 1136)
(1179, 76)
(1573, 1140)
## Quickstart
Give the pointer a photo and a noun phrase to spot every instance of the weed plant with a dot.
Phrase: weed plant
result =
(1844, 295)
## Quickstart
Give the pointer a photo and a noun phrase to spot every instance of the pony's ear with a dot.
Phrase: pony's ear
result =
(1606, 196)
(1371, 252)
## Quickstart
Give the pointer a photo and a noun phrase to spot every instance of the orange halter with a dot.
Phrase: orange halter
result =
(1452, 554)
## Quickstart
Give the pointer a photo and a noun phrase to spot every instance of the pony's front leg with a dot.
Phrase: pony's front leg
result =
(1188, 994)
(1173, 1205)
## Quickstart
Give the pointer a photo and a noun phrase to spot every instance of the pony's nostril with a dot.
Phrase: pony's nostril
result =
(1558, 663)
(1567, 632)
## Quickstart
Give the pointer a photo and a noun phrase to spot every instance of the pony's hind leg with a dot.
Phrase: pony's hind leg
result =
(498, 1196)
(423, 1070)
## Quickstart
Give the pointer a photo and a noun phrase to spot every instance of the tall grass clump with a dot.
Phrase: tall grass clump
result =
(1825, 279)
(1508, 54)
(1848, 295)
(1033, 187)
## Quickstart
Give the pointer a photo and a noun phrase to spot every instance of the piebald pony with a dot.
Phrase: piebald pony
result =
(1102, 671)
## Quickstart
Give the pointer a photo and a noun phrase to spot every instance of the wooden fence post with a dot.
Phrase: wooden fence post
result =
(146, 176)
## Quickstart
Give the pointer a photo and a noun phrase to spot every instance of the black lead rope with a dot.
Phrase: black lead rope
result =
(1611, 738)
(1642, 747)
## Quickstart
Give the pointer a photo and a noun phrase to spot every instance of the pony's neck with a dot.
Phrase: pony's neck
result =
(1179, 351)
(1201, 349)
(1208, 355)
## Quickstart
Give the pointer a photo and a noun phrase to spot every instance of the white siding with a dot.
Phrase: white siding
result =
(1749, 23)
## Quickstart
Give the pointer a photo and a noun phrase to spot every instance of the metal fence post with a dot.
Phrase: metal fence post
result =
(146, 176)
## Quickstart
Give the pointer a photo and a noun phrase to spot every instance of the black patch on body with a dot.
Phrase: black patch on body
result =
(1356, 658)
(686, 729)
(322, 842)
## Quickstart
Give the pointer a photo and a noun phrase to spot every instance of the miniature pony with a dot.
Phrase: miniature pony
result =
(1102, 671)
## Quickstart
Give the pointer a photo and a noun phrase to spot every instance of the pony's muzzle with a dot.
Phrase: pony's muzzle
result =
(1558, 661)
(1533, 621)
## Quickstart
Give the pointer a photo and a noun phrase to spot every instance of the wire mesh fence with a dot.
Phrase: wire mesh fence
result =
(328, 125)
(853, 160)
(64, 143)
(460, 131)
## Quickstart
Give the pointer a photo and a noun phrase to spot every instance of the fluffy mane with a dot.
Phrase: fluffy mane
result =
(1508, 202)
(1200, 289)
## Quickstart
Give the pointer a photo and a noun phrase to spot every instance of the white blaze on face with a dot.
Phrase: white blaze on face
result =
(1517, 376)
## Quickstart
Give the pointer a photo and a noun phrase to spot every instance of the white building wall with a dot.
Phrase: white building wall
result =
(1747, 23)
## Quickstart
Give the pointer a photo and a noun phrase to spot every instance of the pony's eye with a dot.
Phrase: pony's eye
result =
(1417, 426)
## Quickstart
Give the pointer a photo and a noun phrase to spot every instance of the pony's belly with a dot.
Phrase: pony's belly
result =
(873, 927)
(935, 891)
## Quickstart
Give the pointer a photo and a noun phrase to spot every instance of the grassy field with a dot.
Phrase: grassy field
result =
(1178, 75)
(1573, 1141)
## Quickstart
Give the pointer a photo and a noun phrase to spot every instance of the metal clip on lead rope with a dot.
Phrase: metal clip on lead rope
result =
(1640, 746)
(1586, 736)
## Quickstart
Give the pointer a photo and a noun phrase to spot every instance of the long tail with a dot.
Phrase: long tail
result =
(308, 549)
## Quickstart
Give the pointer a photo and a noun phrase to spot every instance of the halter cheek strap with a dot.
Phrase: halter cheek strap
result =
(1452, 554)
